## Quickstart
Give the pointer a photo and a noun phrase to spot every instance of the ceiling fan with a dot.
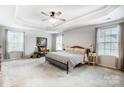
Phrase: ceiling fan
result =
(52, 16)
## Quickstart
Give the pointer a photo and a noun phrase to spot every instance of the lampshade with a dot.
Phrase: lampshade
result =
(91, 48)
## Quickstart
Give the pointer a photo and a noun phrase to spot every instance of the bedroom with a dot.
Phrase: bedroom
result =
(33, 36)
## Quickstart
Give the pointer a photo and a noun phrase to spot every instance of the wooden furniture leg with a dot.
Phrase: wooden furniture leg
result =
(67, 68)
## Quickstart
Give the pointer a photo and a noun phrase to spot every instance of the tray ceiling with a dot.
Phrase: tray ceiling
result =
(29, 16)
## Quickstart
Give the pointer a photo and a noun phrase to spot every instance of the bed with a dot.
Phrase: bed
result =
(69, 58)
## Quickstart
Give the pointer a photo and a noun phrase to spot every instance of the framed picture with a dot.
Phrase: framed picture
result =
(41, 41)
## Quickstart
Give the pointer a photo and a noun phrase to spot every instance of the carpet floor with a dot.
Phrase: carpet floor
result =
(38, 73)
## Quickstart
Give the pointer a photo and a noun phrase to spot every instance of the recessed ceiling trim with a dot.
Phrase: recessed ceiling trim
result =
(103, 11)
(26, 23)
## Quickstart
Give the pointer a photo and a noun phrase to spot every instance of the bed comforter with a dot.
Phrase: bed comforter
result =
(64, 57)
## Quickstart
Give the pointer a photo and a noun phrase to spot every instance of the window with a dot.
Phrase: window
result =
(59, 42)
(108, 41)
(15, 41)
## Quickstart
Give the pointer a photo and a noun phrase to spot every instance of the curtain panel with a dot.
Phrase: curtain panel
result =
(122, 46)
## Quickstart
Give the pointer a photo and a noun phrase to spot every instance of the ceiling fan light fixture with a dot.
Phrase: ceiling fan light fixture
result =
(52, 16)
(52, 20)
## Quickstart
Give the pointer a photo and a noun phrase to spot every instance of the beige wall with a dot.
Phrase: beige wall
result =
(84, 37)
(108, 61)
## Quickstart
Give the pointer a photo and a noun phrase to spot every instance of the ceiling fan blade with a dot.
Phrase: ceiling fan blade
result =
(44, 19)
(61, 19)
(44, 13)
(58, 13)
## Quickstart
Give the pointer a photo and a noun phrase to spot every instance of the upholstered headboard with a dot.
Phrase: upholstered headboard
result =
(80, 47)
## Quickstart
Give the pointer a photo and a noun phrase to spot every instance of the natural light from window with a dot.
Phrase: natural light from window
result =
(15, 41)
(108, 41)
(59, 42)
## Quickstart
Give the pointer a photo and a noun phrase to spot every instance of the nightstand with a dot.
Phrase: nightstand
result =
(92, 58)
